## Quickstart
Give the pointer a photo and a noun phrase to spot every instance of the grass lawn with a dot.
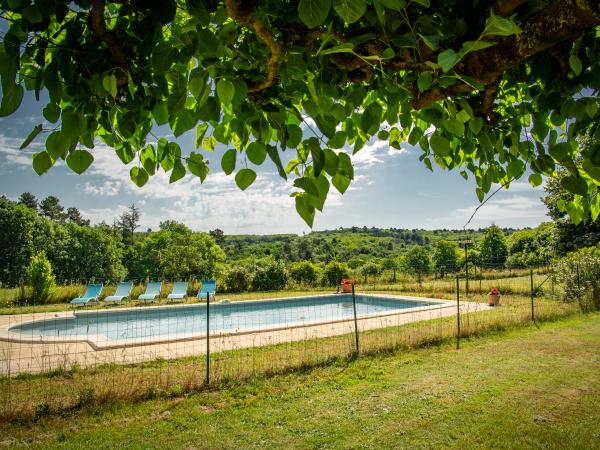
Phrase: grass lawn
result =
(526, 388)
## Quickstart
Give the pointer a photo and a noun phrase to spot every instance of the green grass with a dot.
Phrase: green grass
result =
(523, 388)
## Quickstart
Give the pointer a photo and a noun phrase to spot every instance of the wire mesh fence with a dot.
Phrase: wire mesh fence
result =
(60, 360)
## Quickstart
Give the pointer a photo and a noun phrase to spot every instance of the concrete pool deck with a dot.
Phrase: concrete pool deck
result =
(19, 354)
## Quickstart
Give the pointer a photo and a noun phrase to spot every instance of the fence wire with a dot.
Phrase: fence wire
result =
(58, 359)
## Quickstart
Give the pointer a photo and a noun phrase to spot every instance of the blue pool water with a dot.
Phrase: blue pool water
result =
(169, 322)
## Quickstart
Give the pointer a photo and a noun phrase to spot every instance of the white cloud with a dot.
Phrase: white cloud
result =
(375, 152)
(109, 188)
(521, 209)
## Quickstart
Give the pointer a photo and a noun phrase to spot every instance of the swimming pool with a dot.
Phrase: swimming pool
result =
(141, 326)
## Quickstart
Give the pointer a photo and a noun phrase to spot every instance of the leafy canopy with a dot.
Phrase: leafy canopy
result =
(493, 89)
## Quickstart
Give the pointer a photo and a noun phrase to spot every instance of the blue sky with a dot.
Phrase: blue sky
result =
(391, 189)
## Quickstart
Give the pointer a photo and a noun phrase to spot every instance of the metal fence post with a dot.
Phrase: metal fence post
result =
(355, 320)
(532, 296)
(457, 313)
(207, 338)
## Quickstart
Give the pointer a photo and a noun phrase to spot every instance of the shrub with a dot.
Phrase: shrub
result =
(333, 273)
(270, 275)
(40, 277)
(579, 272)
(237, 279)
(304, 272)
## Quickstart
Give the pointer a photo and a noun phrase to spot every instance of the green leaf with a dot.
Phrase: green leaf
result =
(225, 91)
(109, 83)
(73, 123)
(197, 166)
(350, 10)
(79, 160)
(472, 46)
(516, 168)
(480, 194)
(425, 3)
(396, 5)
(138, 175)
(341, 182)
(454, 126)
(347, 47)
(574, 184)
(560, 151)
(476, 124)
(294, 136)
(499, 26)
(535, 179)
(245, 178)
(178, 171)
(183, 122)
(31, 136)
(256, 152)
(11, 99)
(447, 59)
(51, 112)
(32, 14)
(313, 12)
(42, 162)
(209, 143)
(305, 209)
(200, 132)
(440, 145)
(338, 140)
(575, 214)
(331, 162)
(575, 64)
(148, 159)
(432, 42)
(424, 81)
(228, 161)
(274, 155)
(57, 144)
(307, 184)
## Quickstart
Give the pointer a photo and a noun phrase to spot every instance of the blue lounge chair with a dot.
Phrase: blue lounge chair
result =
(123, 291)
(92, 292)
(208, 287)
(179, 291)
(152, 291)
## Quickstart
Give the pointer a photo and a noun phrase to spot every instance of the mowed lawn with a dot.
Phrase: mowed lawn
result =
(527, 388)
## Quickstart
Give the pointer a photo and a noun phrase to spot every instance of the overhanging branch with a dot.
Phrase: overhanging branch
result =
(243, 12)
(115, 46)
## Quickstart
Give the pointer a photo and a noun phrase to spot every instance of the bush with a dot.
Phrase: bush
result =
(579, 272)
(333, 273)
(269, 276)
(237, 279)
(40, 277)
(304, 272)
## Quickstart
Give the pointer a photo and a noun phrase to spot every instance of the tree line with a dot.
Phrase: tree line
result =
(32, 230)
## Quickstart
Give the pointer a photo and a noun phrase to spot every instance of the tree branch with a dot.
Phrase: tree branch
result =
(567, 20)
(115, 46)
(243, 12)
(506, 7)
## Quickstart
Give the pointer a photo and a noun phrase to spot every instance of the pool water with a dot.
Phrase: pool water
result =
(143, 324)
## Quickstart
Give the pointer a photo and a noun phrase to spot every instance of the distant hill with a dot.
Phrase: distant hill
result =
(343, 244)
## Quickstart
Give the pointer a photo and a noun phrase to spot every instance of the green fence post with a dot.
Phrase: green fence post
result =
(355, 320)
(532, 296)
(207, 338)
(457, 313)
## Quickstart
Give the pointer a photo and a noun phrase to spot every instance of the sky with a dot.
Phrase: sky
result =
(392, 188)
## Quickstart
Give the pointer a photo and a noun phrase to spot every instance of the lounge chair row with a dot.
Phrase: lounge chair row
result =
(152, 292)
